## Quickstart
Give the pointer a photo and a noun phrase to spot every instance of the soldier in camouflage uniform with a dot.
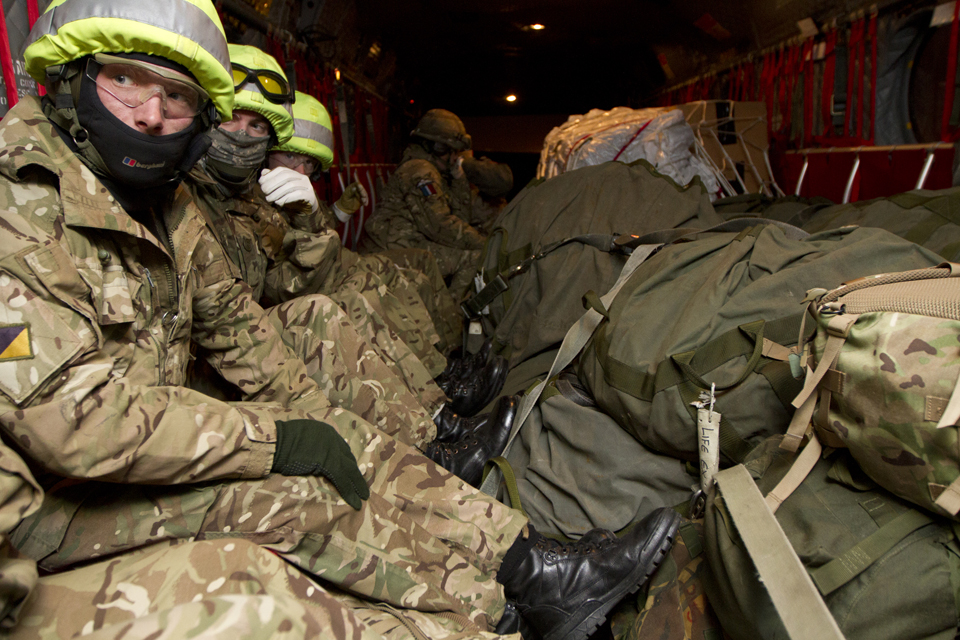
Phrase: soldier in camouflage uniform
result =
(347, 368)
(109, 274)
(309, 152)
(427, 202)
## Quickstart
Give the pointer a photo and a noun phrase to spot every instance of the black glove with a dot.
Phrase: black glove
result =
(312, 448)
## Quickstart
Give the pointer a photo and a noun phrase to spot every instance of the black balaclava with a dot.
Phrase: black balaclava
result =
(130, 160)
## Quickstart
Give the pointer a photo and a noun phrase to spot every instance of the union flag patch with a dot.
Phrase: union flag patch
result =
(15, 342)
(427, 188)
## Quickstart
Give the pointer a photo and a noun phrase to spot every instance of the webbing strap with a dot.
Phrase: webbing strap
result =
(837, 329)
(6, 64)
(799, 422)
(509, 481)
(951, 415)
(573, 343)
(794, 596)
(856, 560)
(524, 258)
(736, 342)
(799, 470)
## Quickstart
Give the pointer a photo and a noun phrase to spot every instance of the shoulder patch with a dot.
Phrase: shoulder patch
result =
(15, 342)
(427, 188)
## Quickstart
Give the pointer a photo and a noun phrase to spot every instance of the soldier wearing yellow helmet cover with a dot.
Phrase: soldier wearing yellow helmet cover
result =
(343, 354)
(104, 297)
(300, 160)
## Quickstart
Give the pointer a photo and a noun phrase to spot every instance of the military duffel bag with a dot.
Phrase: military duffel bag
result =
(883, 568)
(721, 312)
(929, 218)
(557, 239)
(884, 381)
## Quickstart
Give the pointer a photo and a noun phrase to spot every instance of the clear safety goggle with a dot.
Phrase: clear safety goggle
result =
(273, 86)
(133, 82)
(293, 160)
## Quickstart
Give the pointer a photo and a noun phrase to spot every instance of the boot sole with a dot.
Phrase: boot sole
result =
(583, 628)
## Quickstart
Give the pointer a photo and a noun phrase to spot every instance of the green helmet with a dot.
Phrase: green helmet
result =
(440, 125)
(251, 92)
(312, 131)
(187, 32)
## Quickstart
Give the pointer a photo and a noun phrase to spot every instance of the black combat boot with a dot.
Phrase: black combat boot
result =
(452, 427)
(471, 392)
(464, 366)
(565, 591)
(467, 457)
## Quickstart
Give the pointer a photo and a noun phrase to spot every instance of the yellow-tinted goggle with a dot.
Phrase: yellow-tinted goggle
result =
(271, 85)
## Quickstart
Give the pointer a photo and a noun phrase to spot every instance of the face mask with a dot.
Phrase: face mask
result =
(128, 156)
(235, 156)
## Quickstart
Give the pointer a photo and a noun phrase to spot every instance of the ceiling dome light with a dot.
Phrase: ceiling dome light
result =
(511, 98)
(537, 27)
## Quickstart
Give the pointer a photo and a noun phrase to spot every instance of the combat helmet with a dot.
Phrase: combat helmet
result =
(312, 131)
(440, 125)
(189, 33)
(262, 87)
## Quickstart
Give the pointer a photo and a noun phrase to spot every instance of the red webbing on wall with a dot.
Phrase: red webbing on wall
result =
(6, 63)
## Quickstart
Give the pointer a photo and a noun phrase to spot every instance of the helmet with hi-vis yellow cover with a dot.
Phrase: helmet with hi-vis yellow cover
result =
(187, 32)
(135, 52)
(262, 87)
(312, 131)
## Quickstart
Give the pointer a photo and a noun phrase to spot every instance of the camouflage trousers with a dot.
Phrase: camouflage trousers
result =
(348, 370)
(414, 327)
(460, 265)
(393, 351)
(420, 268)
(424, 540)
(216, 588)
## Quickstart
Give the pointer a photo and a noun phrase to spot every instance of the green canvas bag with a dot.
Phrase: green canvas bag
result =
(929, 218)
(724, 310)
(575, 469)
(883, 382)
(557, 239)
(884, 569)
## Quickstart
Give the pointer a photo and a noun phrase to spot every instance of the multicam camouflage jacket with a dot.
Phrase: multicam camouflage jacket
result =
(280, 260)
(420, 206)
(97, 321)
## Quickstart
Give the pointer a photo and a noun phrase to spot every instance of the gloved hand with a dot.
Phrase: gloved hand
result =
(354, 196)
(312, 448)
(456, 168)
(284, 186)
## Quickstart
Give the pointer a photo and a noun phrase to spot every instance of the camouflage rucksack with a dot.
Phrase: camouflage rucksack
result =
(884, 569)
(882, 381)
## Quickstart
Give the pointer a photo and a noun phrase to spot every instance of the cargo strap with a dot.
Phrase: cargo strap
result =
(608, 243)
(804, 614)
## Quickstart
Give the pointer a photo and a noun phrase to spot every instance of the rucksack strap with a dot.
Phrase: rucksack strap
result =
(795, 597)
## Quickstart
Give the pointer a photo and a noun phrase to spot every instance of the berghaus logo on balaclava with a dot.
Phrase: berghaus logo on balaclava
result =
(131, 162)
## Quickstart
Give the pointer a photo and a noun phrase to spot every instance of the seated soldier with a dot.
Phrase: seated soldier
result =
(288, 182)
(427, 202)
(345, 366)
(292, 168)
(110, 275)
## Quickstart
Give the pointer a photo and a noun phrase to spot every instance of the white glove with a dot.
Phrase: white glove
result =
(456, 168)
(283, 186)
